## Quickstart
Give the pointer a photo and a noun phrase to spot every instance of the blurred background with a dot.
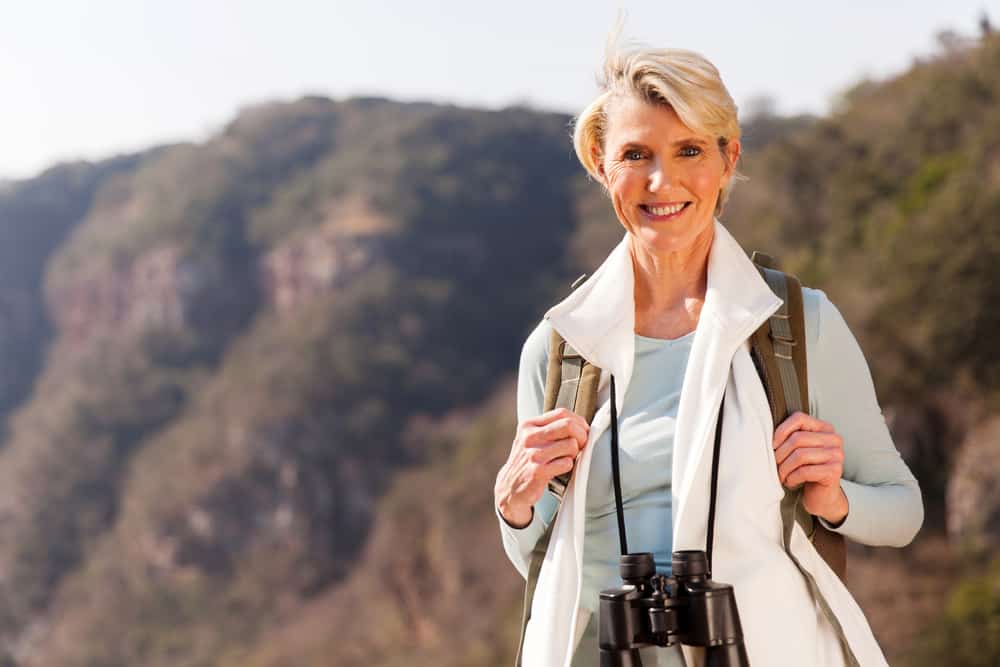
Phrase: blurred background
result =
(266, 270)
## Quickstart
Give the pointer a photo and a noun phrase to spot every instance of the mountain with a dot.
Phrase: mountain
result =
(255, 390)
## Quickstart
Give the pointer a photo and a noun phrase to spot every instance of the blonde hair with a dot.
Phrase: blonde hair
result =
(683, 80)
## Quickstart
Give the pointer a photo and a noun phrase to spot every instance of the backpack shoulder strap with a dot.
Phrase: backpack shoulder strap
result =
(570, 382)
(779, 344)
(778, 348)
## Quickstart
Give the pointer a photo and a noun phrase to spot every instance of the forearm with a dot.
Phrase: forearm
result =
(881, 515)
(885, 507)
(518, 542)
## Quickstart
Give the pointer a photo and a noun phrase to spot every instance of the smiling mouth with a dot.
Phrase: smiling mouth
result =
(664, 212)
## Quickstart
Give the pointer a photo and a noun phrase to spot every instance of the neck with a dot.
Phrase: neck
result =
(670, 287)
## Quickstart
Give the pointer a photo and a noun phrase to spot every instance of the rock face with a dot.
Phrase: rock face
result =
(341, 248)
(149, 293)
(973, 504)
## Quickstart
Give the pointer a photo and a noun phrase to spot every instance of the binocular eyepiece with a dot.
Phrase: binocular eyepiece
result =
(687, 607)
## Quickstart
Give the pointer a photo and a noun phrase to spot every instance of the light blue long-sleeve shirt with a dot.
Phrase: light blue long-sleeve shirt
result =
(885, 506)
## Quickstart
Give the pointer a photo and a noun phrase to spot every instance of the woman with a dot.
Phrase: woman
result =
(668, 315)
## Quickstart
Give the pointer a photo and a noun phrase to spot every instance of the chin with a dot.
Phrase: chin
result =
(664, 241)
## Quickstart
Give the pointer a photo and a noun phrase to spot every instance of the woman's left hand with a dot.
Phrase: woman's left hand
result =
(809, 451)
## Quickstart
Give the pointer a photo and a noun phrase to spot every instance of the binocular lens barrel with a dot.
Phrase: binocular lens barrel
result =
(636, 567)
(689, 563)
(617, 619)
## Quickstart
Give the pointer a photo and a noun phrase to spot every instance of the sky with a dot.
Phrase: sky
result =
(90, 79)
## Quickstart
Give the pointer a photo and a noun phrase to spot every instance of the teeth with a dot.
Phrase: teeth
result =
(665, 210)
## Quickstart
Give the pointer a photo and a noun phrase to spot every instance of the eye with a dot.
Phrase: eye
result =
(695, 151)
(633, 154)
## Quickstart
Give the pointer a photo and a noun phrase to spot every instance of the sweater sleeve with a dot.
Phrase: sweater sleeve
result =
(518, 542)
(885, 507)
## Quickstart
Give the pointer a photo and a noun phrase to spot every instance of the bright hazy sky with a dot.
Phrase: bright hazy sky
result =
(88, 79)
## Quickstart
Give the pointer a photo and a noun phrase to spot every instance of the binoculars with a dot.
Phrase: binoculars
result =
(652, 609)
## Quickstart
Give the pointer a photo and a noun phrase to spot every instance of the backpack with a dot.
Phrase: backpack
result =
(778, 350)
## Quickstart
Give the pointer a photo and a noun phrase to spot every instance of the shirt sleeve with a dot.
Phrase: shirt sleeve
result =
(518, 542)
(885, 507)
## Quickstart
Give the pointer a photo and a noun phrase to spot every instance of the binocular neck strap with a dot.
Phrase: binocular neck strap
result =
(615, 474)
(616, 478)
(715, 484)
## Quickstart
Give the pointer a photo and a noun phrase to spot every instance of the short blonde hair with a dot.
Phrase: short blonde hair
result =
(683, 80)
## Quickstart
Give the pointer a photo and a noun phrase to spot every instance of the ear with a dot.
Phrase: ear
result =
(733, 152)
(598, 159)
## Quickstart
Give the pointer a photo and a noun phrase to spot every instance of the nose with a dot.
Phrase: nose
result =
(658, 177)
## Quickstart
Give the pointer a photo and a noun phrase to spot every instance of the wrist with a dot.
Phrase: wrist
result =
(837, 513)
(516, 516)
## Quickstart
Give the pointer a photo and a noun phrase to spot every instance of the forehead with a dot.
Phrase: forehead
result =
(631, 120)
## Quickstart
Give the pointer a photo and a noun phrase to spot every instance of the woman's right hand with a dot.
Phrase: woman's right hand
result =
(545, 446)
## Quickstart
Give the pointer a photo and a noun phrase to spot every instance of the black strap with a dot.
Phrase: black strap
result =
(617, 482)
(615, 476)
(715, 483)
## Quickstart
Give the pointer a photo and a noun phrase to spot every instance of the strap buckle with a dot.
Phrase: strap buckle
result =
(783, 345)
(557, 485)
(779, 338)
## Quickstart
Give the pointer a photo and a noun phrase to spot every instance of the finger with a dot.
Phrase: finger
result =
(799, 421)
(556, 430)
(558, 466)
(803, 439)
(808, 456)
(556, 414)
(577, 420)
(581, 429)
(554, 450)
(546, 417)
(821, 473)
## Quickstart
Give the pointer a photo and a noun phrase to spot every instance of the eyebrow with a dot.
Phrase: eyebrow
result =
(679, 142)
(691, 140)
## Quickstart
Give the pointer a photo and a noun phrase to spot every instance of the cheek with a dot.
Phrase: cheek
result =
(706, 181)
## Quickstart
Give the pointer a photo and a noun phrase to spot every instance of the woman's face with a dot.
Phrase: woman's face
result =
(663, 178)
